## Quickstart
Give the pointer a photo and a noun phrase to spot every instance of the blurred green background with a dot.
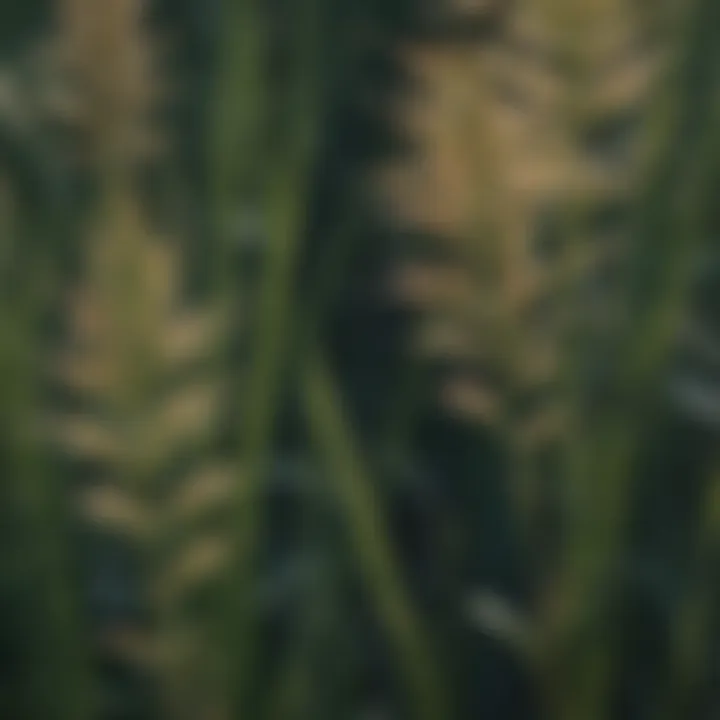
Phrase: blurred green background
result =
(359, 359)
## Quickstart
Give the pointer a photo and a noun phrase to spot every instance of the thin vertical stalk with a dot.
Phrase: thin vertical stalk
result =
(284, 205)
(240, 108)
(354, 487)
(691, 629)
(60, 683)
(239, 105)
(292, 686)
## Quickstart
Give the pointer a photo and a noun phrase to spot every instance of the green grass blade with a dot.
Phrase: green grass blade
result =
(369, 536)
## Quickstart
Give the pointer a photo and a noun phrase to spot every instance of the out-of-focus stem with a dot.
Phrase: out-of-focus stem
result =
(691, 631)
(60, 680)
(354, 487)
(286, 193)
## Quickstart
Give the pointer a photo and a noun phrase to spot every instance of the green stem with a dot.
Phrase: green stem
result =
(691, 632)
(285, 206)
(370, 538)
(240, 108)
(59, 686)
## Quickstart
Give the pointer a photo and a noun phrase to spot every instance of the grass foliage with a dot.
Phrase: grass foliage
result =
(359, 360)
